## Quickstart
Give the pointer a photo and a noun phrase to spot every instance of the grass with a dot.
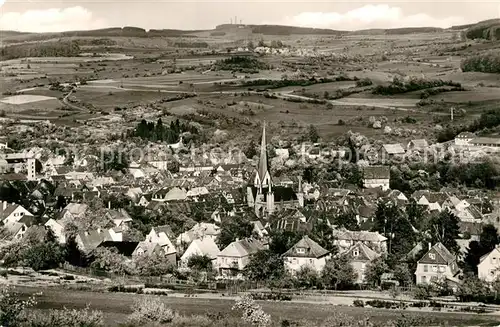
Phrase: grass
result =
(116, 306)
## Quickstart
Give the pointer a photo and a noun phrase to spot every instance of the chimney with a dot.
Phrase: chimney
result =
(430, 245)
(4, 205)
(109, 204)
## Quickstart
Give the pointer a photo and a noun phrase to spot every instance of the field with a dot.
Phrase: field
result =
(117, 305)
(130, 72)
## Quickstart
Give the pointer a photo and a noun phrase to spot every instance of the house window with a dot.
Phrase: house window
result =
(294, 260)
(494, 260)
(311, 260)
(432, 256)
(442, 269)
(424, 279)
(301, 250)
(356, 253)
(426, 268)
(434, 268)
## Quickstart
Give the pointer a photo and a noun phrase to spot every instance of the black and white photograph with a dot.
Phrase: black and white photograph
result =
(282, 163)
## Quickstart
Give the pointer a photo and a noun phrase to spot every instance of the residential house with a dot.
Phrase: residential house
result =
(345, 239)
(16, 230)
(198, 231)
(170, 194)
(464, 139)
(392, 150)
(204, 246)
(58, 228)
(485, 142)
(360, 256)
(233, 259)
(145, 199)
(120, 218)
(489, 265)
(376, 177)
(162, 235)
(146, 248)
(420, 144)
(436, 264)
(74, 211)
(305, 252)
(11, 212)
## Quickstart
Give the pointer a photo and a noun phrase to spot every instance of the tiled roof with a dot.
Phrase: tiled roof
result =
(376, 172)
(310, 249)
(242, 248)
(361, 252)
(396, 148)
(359, 236)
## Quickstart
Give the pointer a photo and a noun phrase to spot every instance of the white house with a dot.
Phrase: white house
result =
(305, 252)
(438, 263)
(233, 259)
(463, 139)
(204, 247)
(489, 265)
(57, 227)
(376, 176)
(11, 212)
(161, 235)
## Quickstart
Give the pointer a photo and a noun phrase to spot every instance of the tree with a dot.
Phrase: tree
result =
(73, 255)
(374, 271)
(200, 262)
(347, 220)
(323, 235)
(403, 274)
(108, 259)
(312, 134)
(250, 45)
(392, 222)
(338, 272)
(250, 150)
(488, 241)
(444, 228)
(307, 277)
(237, 227)
(265, 266)
(156, 264)
(281, 241)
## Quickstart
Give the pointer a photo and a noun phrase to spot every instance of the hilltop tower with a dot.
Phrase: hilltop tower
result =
(263, 175)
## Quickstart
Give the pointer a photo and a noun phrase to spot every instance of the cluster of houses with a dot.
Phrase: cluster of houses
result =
(221, 191)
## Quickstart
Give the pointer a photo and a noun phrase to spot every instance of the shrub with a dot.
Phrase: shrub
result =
(12, 308)
(252, 313)
(422, 292)
(364, 82)
(150, 310)
(358, 303)
(485, 63)
(65, 318)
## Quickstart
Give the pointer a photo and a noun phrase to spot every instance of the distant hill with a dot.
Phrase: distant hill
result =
(397, 31)
(281, 30)
(487, 29)
(127, 31)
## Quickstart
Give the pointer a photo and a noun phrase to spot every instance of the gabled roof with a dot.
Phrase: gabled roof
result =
(362, 236)
(310, 249)
(419, 143)
(76, 209)
(361, 252)
(263, 167)
(242, 248)
(207, 247)
(443, 255)
(164, 229)
(466, 135)
(148, 247)
(496, 249)
(376, 172)
(396, 148)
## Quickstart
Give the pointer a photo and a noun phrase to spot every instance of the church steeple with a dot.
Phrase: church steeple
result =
(263, 174)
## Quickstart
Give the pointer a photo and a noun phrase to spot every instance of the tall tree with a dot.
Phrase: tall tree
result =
(444, 228)
(393, 223)
(488, 240)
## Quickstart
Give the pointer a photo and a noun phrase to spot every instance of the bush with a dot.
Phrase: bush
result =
(364, 82)
(358, 303)
(397, 86)
(65, 318)
(485, 63)
(422, 292)
(271, 296)
(150, 310)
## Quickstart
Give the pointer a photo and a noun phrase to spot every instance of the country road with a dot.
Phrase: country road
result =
(116, 307)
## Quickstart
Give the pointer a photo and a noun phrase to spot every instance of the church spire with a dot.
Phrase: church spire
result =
(263, 161)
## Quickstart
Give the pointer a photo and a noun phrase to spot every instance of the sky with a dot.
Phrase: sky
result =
(68, 15)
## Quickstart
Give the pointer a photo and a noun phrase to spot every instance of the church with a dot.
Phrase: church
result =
(265, 197)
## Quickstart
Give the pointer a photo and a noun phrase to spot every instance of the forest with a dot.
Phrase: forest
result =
(159, 132)
(49, 49)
